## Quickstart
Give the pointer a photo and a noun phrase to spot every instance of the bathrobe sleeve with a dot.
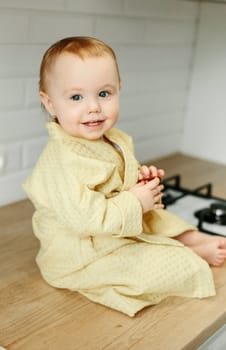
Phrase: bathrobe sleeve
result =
(73, 188)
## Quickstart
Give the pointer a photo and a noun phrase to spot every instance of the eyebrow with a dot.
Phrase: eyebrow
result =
(112, 86)
(73, 89)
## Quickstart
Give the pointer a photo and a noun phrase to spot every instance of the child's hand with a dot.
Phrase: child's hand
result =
(149, 194)
(148, 173)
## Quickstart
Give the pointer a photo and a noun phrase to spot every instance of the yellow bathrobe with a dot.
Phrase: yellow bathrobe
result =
(93, 236)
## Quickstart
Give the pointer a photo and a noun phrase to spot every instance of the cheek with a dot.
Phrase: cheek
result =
(113, 108)
(67, 112)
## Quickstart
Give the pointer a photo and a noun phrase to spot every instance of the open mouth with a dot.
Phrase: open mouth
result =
(93, 123)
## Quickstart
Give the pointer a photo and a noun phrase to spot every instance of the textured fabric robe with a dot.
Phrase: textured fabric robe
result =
(93, 236)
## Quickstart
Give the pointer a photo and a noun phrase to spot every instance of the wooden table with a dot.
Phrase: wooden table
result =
(35, 316)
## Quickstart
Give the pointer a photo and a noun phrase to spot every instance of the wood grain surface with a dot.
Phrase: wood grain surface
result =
(35, 316)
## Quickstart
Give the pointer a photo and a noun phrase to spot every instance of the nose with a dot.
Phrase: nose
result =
(93, 105)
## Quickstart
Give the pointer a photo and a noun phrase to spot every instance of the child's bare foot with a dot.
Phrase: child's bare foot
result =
(212, 252)
(210, 248)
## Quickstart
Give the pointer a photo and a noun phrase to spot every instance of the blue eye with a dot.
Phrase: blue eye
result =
(104, 94)
(76, 97)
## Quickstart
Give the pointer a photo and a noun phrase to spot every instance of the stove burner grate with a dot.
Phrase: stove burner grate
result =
(216, 213)
(197, 207)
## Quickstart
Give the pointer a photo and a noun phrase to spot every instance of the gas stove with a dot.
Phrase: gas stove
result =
(197, 207)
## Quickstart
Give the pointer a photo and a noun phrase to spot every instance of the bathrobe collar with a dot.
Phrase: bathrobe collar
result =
(94, 149)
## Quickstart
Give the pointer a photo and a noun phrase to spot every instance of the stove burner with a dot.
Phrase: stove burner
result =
(197, 206)
(216, 213)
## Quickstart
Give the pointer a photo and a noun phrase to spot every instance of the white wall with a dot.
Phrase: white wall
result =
(153, 40)
(205, 126)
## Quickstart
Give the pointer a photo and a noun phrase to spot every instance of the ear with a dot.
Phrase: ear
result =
(47, 103)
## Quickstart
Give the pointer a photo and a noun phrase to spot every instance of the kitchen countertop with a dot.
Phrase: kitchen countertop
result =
(35, 316)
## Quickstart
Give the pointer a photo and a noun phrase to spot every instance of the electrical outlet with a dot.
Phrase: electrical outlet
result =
(2, 163)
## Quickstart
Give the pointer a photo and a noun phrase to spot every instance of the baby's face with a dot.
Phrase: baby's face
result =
(83, 94)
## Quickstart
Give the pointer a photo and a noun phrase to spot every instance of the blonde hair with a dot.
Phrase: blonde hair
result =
(81, 46)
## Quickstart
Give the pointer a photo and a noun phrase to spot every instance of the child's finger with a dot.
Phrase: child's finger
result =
(152, 183)
(153, 171)
(161, 173)
(145, 171)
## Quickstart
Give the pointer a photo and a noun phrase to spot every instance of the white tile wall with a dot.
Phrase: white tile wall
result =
(12, 153)
(153, 40)
(12, 93)
(31, 150)
(171, 9)
(21, 124)
(120, 30)
(206, 112)
(169, 32)
(17, 32)
(20, 60)
(31, 98)
(52, 5)
(48, 28)
(95, 6)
